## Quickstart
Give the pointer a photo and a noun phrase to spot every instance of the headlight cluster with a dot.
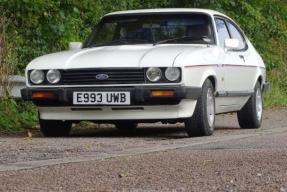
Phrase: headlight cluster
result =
(171, 74)
(52, 76)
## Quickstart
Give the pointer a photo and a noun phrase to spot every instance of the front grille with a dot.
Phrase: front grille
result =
(115, 76)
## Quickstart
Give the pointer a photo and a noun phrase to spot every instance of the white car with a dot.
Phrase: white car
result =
(158, 65)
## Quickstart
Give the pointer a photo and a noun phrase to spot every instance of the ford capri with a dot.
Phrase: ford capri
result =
(157, 65)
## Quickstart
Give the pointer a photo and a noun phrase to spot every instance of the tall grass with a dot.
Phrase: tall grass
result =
(14, 115)
(5, 67)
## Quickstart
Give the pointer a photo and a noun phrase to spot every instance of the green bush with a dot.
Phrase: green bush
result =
(43, 26)
(15, 116)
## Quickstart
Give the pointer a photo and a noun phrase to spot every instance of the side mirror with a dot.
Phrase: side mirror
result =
(231, 44)
(75, 46)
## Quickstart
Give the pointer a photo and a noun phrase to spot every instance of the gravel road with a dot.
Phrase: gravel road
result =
(153, 158)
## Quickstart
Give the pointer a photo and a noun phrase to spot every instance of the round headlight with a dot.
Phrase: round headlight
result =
(53, 76)
(153, 74)
(37, 76)
(172, 74)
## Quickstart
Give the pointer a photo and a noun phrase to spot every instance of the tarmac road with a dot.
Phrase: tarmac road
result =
(153, 158)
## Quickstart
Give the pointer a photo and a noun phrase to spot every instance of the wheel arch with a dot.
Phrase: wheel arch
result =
(211, 75)
(259, 78)
(213, 80)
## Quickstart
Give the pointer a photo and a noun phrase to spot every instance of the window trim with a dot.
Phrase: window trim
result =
(237, 27)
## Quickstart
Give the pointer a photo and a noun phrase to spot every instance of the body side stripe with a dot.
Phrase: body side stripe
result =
(224, 65)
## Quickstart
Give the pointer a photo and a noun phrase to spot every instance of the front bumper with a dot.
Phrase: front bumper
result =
(110, 114)
(140, 96)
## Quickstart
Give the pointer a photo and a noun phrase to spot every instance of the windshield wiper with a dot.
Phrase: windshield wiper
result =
(125, 41)
(109, 43)
(205, 39)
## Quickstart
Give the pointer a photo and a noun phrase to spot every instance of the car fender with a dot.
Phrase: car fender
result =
(260, 74)
(196, 75)
(207, 74)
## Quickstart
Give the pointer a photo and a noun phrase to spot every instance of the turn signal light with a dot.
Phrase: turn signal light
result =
(42, 95)
(162, 93)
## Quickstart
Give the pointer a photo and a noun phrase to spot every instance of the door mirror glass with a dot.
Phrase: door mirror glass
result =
(231, 44)
(75, 46)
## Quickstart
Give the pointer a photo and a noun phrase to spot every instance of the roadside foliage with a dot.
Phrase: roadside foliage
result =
(38, 27)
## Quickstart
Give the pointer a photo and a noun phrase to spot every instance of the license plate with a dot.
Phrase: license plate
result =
(101, 98)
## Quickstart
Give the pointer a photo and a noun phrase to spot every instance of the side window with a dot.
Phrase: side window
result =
(222, 31)
(235, 34)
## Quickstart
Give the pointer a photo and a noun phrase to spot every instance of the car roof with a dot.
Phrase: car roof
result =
(168, 10)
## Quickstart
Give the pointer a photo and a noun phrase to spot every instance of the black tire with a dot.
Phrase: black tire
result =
(198, 125)
(53, 128)
(126, 125)
(248, 117)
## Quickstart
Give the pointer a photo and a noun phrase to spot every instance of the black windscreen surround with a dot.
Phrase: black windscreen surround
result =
(132, 29)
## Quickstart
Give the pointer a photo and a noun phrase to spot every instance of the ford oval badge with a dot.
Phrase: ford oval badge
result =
(102, 77)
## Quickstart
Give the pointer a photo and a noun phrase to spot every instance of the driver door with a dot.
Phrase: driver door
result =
(230, 61)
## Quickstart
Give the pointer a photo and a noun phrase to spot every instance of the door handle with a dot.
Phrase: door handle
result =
(242, 57)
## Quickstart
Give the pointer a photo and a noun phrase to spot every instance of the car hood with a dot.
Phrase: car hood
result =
(116, 56)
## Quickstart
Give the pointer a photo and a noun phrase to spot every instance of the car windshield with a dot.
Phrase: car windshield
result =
(133, 29)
